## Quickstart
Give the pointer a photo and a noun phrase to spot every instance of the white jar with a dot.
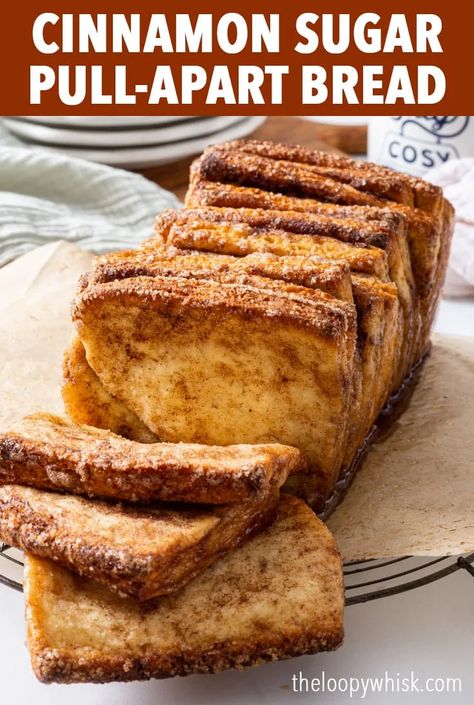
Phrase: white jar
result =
(418, 144)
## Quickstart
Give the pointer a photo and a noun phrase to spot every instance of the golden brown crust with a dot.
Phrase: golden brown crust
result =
(379, 234)
(141, 552)
(203, 192)
(332, 278)
(312, 176)
(367, 176)
(51, 452)
(206, 229)
(280, 595)
(312, 272)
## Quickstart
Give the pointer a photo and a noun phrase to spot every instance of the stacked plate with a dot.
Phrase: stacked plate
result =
(133, 142)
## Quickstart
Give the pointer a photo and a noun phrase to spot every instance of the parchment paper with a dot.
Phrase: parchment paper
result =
(35, 327)
(414, 494)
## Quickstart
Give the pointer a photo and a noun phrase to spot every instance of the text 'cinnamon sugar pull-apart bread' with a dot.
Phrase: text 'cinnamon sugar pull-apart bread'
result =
(285, 303)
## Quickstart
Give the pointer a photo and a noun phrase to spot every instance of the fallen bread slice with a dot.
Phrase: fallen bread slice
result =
(280, 595)
(134, 550)
(51, 452)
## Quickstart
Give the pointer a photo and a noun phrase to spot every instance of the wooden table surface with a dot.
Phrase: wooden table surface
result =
(293, 130)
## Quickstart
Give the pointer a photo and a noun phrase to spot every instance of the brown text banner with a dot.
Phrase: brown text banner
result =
(299, 58)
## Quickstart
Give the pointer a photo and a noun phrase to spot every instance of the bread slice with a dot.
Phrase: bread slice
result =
(378, 319)
(138, 551)
(241, 164)
(207, 230)
(85, 398)
(86, 401)
(380, 334)
(205, 189)
(52, 452)
(150, 260)
(365, 177)
(280, 595)
(236, 360)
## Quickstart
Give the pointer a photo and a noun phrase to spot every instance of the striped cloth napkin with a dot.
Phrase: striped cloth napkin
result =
(456, 177)
(47, 196)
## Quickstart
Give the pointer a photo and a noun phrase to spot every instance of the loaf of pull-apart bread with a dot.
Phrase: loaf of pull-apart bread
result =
(242, 353)
(285, 303)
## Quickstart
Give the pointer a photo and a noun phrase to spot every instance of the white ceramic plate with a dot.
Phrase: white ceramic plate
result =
(102, 121)
(154, 155)
(122, 137)
(342, 120)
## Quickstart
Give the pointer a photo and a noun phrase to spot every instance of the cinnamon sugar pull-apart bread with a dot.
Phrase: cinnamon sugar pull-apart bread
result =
(287, 302)
(267, 175)
(380, 355)
(279, 595)
(376, 305)
(226, 356)
(134, 550)
(54, 453)
(242, 231)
